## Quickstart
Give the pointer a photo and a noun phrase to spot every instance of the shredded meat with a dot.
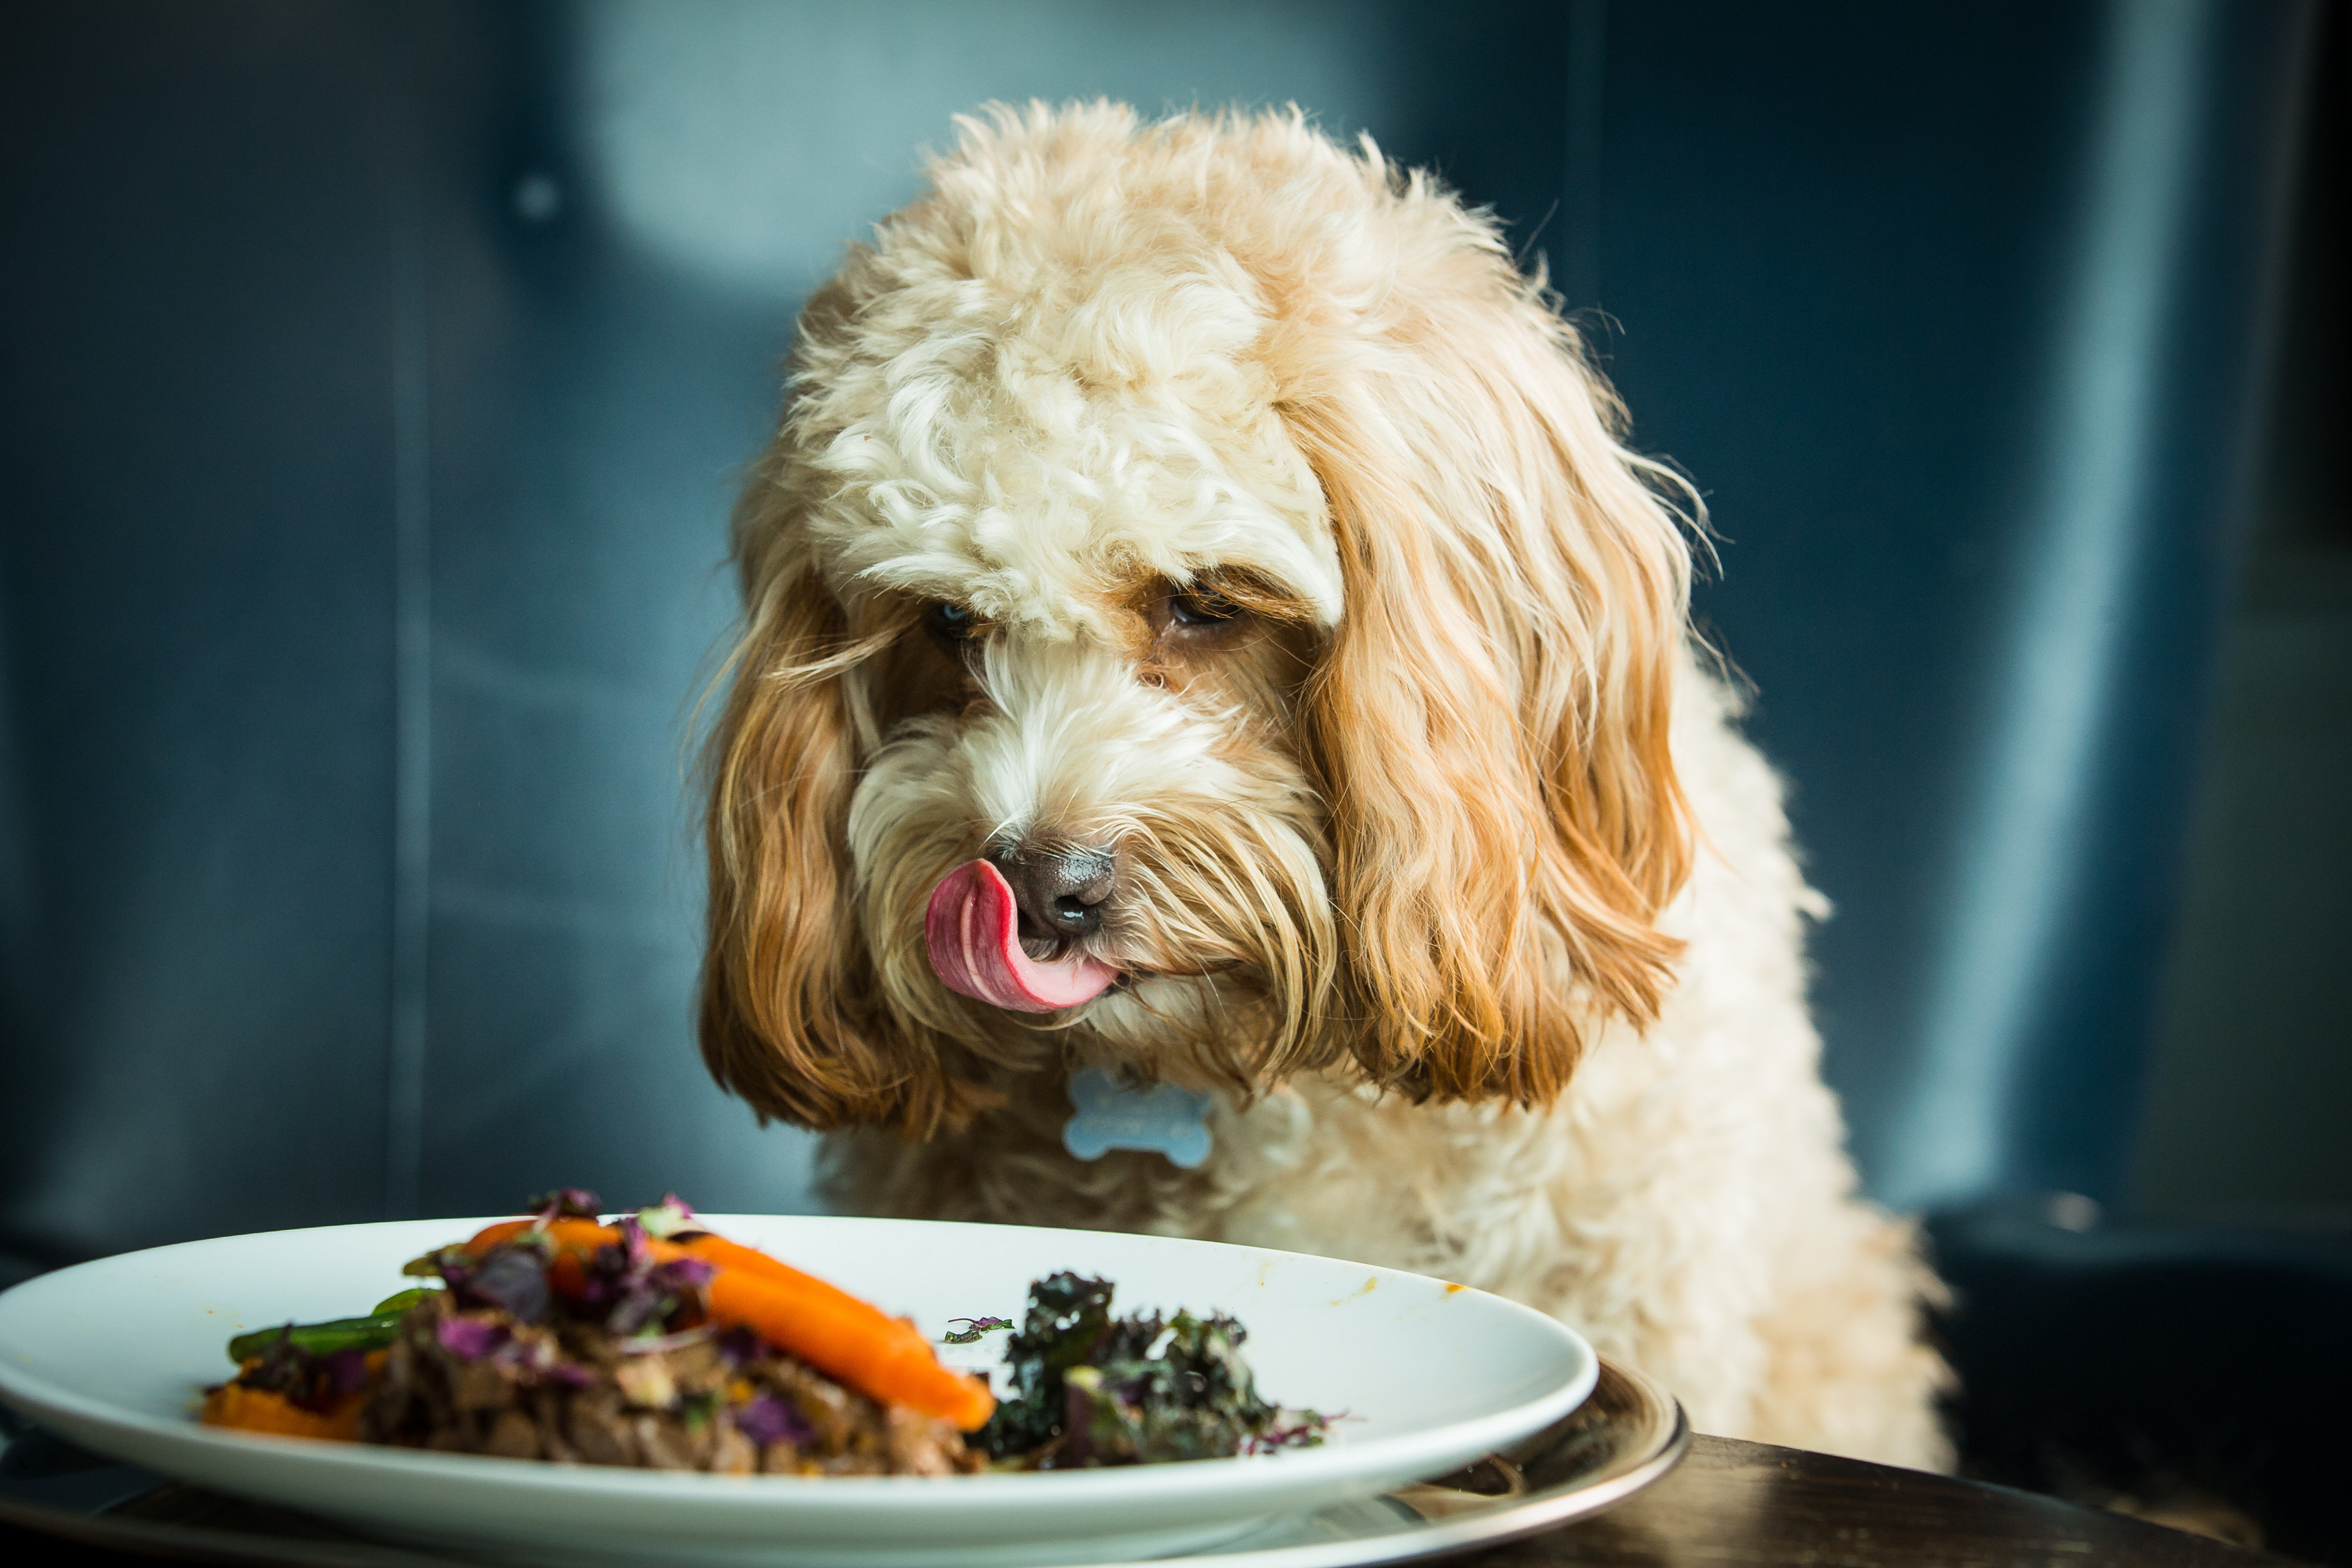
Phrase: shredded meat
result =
(573, 1393)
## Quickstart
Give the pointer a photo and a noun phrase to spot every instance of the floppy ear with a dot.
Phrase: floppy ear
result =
(1490, 719)
(792, 1017)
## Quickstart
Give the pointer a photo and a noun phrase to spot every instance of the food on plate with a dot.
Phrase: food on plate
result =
(1091, 1389)
(650, 1343)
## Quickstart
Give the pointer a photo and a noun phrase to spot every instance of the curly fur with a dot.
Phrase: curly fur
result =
(1441, 857)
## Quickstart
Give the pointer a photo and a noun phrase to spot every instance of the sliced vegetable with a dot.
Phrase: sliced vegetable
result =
(885, 1357)
(292, 1392)
(729, 1254)
(248, 1410)
(829, 1329)
(519, 1291)
(370, 1333)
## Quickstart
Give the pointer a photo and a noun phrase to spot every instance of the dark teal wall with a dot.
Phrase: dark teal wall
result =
(373, 380)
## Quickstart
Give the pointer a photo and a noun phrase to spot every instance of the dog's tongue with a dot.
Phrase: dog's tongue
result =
(973, 930)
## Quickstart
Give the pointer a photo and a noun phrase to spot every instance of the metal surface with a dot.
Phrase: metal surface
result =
(1626, 1436)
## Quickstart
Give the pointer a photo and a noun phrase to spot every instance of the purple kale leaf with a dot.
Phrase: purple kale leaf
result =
(511, 1278)
(635, 1291)
(767, 1419)
(316, 1383)
(471, 1339)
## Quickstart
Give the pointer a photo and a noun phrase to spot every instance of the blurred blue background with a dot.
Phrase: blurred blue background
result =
(376, 379)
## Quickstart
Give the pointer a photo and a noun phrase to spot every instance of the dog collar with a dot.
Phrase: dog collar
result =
(1112, 1115)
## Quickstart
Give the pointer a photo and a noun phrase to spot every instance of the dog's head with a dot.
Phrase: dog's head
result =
(1199, 616)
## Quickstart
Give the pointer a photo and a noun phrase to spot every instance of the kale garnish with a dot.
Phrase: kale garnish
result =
(1091, 1389)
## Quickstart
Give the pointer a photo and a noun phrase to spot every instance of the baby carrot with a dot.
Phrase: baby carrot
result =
(569, 1229)
(722, 1253)
(825, 1326)
(504, 1230)
(887, 1357)
(248, 1409)
(576, 1241)
(258, 1410)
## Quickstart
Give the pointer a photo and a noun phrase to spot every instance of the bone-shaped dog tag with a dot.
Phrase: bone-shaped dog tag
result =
(1111, 1116)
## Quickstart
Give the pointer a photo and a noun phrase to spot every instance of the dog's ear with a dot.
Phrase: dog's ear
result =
(792, 1017)
(1490, 718)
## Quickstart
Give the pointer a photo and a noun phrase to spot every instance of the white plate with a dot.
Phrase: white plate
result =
(1430, 1377)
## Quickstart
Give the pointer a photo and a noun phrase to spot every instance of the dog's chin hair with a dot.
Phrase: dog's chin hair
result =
(1225, 927)
(1236, 906)
(1238, 901)
(1183, 1029)
(1223, 921)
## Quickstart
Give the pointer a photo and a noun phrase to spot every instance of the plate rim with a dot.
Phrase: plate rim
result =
(1548, 1509)
(737, 1495)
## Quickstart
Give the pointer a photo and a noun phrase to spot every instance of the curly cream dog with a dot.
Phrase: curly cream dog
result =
(1197, 549)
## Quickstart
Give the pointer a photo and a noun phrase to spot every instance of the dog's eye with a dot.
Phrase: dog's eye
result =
(1201, 605)
(951, 622)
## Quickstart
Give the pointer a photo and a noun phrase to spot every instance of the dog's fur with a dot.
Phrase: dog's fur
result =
(1438, 854)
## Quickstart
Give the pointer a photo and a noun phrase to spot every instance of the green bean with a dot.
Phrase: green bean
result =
(373, 1332)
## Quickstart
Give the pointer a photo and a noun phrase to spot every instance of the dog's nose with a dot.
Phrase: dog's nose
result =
(1062, 889)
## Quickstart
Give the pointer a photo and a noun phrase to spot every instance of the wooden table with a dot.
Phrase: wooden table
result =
(1749, 1503)
(1745, 1503)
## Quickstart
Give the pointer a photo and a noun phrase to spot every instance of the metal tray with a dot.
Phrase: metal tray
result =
(1629, 1432)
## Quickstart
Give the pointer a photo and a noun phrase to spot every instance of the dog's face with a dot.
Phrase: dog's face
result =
(1199, 619)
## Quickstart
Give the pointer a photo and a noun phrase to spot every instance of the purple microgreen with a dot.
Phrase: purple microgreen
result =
(470, 1339)
(975, 1327)
(738, 1347)
(1291, 1430)
(535, 1359)
(346, 1369)
(765, 1419)
(565, 1203)
(617, 1266)
(313, 1383)
(671, 1216)
(512, 1278)
(638, 1292)
(647, 1305)
(685, 1275)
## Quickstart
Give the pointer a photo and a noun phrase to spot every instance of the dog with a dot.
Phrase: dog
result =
(1205, 628)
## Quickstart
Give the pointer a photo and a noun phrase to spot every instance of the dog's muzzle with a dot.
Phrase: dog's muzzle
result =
(973, 930)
